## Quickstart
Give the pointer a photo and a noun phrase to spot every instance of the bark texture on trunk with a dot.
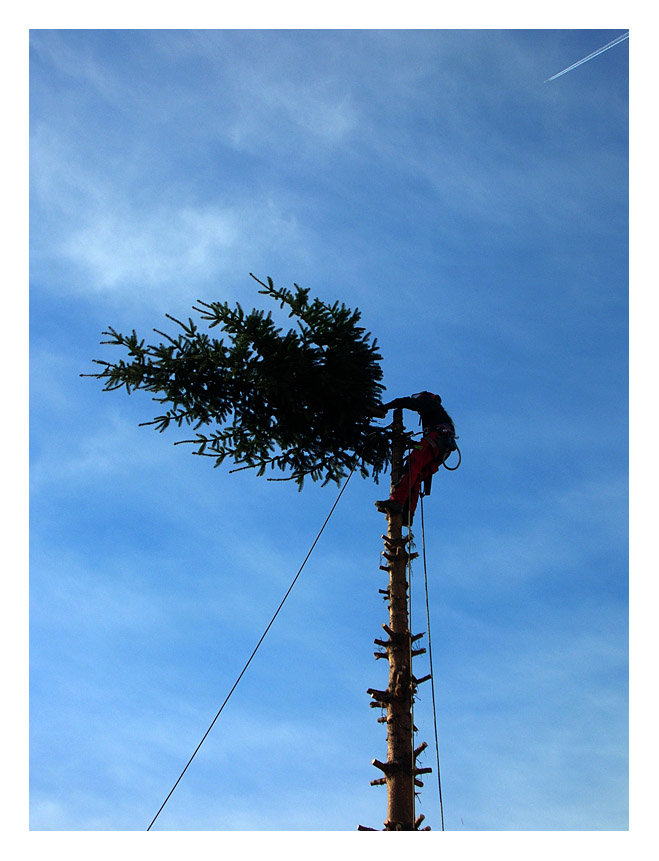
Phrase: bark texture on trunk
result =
(400, 772)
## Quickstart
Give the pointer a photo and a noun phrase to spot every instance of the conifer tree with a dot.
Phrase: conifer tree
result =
(298, 402)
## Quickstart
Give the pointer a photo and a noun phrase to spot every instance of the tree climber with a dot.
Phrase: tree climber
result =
(425, 457)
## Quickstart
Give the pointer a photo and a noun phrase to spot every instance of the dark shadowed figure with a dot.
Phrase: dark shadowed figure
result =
(425, 457)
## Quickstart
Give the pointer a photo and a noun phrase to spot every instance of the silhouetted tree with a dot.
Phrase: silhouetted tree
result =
(299, 402)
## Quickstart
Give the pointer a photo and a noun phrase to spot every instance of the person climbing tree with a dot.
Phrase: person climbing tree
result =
(425, 457)
(301, 403)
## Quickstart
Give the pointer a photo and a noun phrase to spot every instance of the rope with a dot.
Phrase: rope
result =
(235, 685)
(425, 575)
(432, 673)
(453, 468)
(409, 599)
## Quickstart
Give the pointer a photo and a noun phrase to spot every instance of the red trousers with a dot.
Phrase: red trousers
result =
(421, 464)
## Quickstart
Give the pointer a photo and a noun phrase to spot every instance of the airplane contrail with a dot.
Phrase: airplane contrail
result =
(590, 56)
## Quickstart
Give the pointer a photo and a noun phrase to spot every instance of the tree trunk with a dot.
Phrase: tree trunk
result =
(399, 769)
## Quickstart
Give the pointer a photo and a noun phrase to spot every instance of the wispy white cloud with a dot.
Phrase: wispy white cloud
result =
(266, 92)
(101, 240)
(137, 252)
(76, 62)
(111, 229)
(413, 168)
(274, 106)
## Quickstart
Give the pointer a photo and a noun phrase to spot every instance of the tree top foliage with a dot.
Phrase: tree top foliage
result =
(297, 402)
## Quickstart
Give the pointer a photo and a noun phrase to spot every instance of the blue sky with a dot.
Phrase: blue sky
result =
(478, 217)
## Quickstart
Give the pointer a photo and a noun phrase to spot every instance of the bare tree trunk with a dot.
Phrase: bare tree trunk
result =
(399, 769)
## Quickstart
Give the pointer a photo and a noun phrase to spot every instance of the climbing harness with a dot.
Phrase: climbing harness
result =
(449, 447)
(455, 448)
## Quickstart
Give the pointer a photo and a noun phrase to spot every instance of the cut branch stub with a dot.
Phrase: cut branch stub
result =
(382, 696)
(399, 767)
(383, 766)
(392, 541)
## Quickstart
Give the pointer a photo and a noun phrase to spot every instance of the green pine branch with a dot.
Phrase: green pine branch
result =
(294, 401)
